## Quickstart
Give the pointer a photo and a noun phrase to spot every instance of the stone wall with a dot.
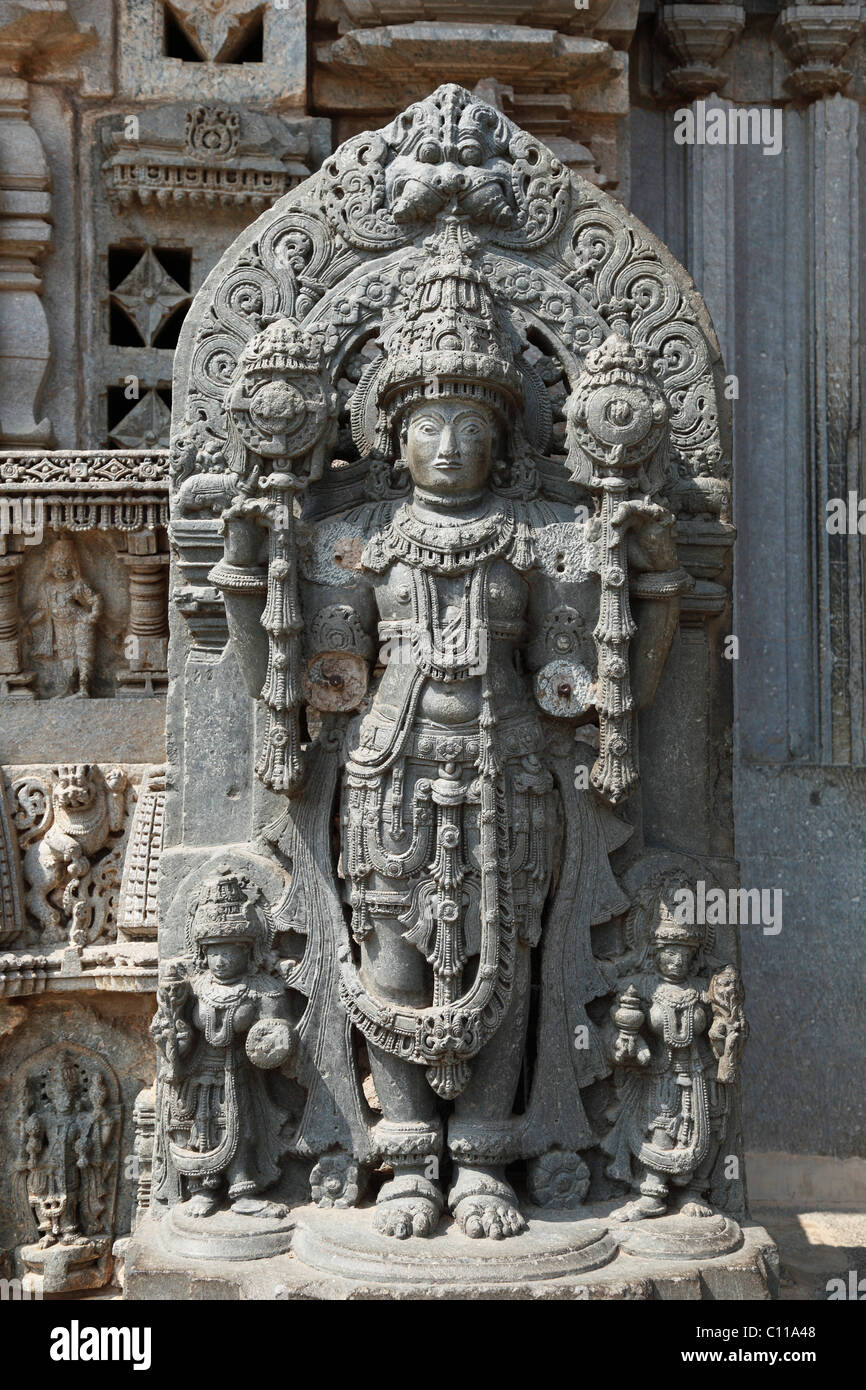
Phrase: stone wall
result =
(775, 243)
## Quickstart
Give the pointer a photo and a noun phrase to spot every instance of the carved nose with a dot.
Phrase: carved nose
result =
(449, 447)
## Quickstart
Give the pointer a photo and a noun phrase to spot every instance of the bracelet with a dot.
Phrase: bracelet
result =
(667, 584)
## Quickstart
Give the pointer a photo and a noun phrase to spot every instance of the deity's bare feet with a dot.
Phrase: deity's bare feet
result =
(408, 1205)
(484, 1205)
(200, 1204)
(258, 1206)
(640, 1209)
(696, 1206)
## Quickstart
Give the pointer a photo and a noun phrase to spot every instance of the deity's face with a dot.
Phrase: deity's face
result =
(227, 960)
(449, 446)
(62, 565)
(675, 961)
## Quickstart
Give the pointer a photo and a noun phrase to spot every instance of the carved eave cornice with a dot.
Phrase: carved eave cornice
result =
(127, 968)
(90, 489)
(84, 470)
(413, 57)
(699, 36)
(162, 178)
(612, 20)
(211, 155)
(815, 39)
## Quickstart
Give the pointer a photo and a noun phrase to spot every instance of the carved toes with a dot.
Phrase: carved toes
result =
(259, 1206)
(492, 1217)
(409, 1205)
(695, 1207)
(641, 1209)
(406, 1217)
(200, 1204)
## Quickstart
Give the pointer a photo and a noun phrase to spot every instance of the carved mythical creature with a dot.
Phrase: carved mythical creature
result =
(221, 1021)
(69, 610)
(81, 811)
(679, 1039)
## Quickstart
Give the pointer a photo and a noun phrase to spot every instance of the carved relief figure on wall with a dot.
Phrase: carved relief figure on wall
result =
(67, 615)
(68, 1149)
(69, 826)
(221, 1021)
(679, 1039)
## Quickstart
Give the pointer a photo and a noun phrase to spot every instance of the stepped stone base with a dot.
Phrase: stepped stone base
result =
(337, 1255)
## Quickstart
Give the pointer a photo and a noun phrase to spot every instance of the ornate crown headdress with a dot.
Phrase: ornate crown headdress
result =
(651, 920)
(448, 339)
(224, 909)
(669, 932)
(65, 548)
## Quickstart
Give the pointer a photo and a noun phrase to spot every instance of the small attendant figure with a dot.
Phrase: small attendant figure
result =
(678, 1043)
(218, 1028)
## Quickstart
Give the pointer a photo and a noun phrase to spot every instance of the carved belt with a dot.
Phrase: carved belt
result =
(400, 627)
(516, 737)
(446, 1035)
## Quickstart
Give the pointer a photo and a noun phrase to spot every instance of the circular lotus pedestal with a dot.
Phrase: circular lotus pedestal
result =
(225, 1235)
(345, 1245)
(677, 1237)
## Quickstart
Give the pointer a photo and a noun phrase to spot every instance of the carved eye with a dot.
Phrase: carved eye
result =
(429, 152)
(471, 153)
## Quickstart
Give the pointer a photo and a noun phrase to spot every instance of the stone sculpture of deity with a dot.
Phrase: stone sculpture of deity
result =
(428, 471)
(69, 612)
(450, 815)
(422, 620)
(68, 1148)
(680, 1037)
(221, 1022)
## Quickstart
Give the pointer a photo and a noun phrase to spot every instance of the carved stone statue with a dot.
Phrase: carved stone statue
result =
(221, 1021)
(678, 1044)
(69, 612)
(68, 1150)
(436, 418)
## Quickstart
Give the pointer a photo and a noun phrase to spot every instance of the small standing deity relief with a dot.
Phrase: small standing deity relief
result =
(68, 1150)
(222, 1021)
(680, 1035)
(68, 615)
